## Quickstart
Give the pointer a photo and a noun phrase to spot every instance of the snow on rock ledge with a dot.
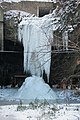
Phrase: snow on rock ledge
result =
(54, 1)
(35, 88)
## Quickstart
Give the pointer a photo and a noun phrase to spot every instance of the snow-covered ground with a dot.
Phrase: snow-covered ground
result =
(7, 96)
(40, 111)
(13, 107)
(35, 88)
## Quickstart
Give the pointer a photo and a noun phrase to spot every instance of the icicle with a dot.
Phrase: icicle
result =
(65, 40)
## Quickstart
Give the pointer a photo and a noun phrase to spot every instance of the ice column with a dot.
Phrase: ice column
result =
(35, 34)
(65, 40)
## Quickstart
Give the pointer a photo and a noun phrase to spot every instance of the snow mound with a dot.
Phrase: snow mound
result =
(35, 88)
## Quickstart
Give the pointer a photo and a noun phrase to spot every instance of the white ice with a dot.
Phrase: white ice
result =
(35, 88)
(36, 35)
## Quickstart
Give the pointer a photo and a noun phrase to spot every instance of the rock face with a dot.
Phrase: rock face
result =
(67, 63)
(62, 64)
(11, 60)
(11, 20)
(10, 30)
(1, 28)
(33, 7)
(11, 63)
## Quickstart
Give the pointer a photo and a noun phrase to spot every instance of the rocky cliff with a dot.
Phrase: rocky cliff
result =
(63, 64)
(67, 63)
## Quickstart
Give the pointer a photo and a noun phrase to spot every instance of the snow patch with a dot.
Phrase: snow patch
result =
(43, 112)
(17, 14)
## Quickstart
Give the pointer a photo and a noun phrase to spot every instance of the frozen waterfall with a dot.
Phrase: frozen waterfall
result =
(36, 35)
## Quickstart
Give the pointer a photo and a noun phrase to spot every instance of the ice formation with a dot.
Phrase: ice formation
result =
(35, 88)
(65, 40)
(36, 34)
